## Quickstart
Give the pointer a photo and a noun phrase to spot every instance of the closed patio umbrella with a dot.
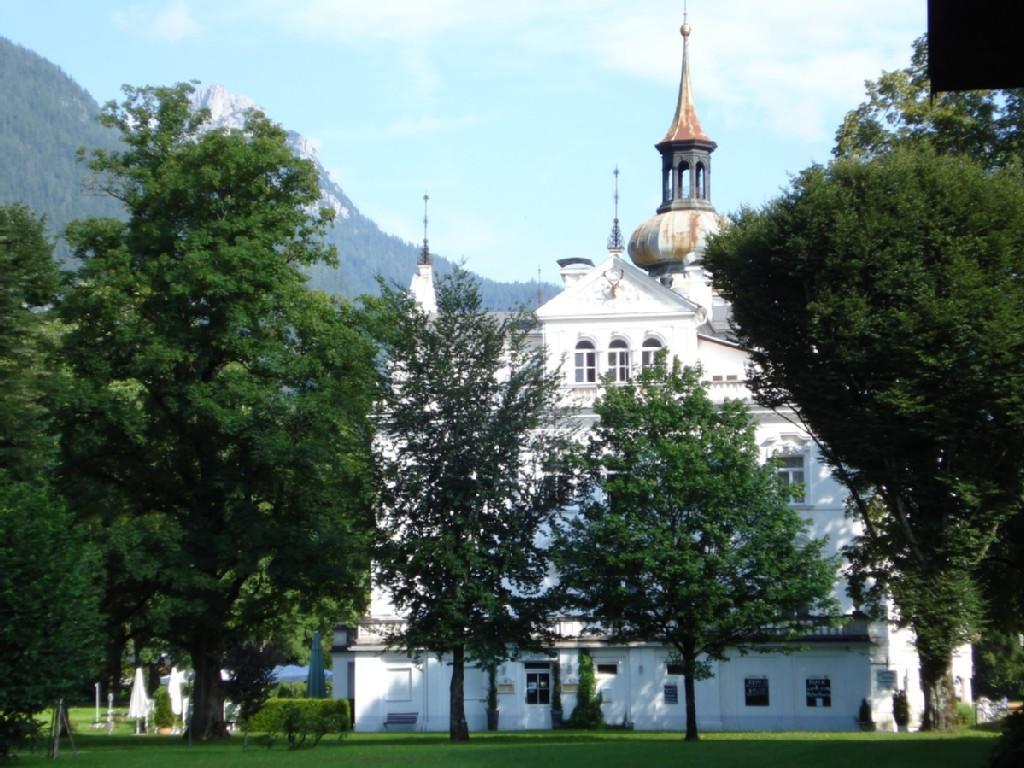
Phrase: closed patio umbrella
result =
(316, 687)
(138, 704)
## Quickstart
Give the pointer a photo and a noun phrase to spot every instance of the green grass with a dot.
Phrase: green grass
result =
(544, 749)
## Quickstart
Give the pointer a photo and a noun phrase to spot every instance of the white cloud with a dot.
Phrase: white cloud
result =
(172, 22)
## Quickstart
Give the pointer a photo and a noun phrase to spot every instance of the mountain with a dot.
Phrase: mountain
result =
(46, 117)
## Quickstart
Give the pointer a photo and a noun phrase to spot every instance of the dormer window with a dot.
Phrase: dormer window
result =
(618, 361)
(586, 362)
(649, 353)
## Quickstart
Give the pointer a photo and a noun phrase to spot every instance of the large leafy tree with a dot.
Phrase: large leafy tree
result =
(683, 537)
(48, 605)
(217, 436)
(882, 300)
(988, 126)
(467, 444)
(900, 110)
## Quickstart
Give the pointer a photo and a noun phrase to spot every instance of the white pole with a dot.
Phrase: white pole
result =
(97, 703)
(110, 711)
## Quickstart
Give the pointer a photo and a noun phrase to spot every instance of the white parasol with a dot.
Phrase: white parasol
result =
(174, 690)
(138, 705)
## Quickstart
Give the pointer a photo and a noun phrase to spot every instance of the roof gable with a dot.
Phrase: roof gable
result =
(615, 288)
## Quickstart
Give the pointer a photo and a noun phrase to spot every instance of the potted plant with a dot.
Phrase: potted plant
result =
(900, 709)
(163, 716)
(556, 693)
(492, 698)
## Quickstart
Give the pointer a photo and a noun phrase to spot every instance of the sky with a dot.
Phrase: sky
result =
(511, 115)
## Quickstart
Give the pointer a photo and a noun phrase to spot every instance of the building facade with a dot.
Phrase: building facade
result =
(610, 320)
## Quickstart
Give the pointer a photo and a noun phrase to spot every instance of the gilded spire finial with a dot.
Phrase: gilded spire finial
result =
(685, 124)
(425, 250)
(615, 242)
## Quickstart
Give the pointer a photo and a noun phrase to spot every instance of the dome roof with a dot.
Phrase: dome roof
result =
(670, 238)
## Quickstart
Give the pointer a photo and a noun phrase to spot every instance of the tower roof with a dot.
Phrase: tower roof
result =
(685, 125)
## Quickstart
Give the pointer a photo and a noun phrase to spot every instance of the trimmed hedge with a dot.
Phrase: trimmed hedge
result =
(301, 720)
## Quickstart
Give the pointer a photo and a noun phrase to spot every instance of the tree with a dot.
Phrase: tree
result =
(252, 680)
(468, 431)
(47, 602)
(218, 428)
(882, 301)
(901, 111)
(685, 539)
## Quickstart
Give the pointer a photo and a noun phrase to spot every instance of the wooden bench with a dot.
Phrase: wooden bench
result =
(400, 718)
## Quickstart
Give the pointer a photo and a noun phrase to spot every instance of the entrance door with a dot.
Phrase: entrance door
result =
(538, 695)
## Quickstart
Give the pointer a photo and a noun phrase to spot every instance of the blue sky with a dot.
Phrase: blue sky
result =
(511, 115)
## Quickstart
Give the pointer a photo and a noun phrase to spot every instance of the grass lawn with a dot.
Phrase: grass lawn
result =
(540, 749)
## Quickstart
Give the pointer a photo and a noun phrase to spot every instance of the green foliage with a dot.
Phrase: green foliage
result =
(965, 714)
(468, 442)
(684, 538)
(864, 719)
(887, 294)
(219, 420)
(999, 665)
(251, 666)
(48, 603)
(902, 111)
(28, 281)
(1009, 752)
(163, 715)
(48, 607)
(293, 690)
(901, 708)
(587, 713)
(301, 720)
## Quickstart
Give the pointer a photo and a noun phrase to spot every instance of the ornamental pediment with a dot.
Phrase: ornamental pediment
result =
(615, 287)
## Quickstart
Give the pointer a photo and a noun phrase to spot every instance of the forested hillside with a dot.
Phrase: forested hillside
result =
(45, 117)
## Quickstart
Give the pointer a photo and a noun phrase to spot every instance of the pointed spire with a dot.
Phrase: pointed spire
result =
(615, 243)
(685, 125)
(425, 250)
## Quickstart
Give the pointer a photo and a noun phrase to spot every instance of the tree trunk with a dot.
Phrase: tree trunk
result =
(937, 685)
(689, 673)
(207, 694)
(458, 730)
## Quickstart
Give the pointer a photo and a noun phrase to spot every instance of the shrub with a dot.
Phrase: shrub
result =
(901, 709)
(301, 720)
(864, 719)
(294, 690)
(163, 715)
(965, 714)
(1009, 751)
(587, 713)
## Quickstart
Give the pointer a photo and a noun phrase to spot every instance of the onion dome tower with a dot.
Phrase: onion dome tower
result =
(671, 242)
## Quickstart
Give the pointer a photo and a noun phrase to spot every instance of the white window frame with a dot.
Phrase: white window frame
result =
(619, 361)
(585, 363)
(649, 350)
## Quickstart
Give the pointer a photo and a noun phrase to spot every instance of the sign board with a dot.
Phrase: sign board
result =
(886, 679)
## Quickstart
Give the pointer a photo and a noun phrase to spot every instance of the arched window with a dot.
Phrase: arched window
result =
(586, 363)
(618, 361)
(649, 353)
(701, 183)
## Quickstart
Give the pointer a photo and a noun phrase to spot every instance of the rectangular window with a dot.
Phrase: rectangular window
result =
(756, 691)
(586, 367)
(607, 669)
(671, 694)
(791, 473)
(538, 687)
(674, 669)
(399, 684)
(819, 692)
(618, 365)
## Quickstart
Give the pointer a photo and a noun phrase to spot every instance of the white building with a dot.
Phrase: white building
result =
(610, 320)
